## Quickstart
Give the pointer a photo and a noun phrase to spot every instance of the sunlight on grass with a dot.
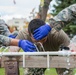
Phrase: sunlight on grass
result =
(2, 71)
(51, 71)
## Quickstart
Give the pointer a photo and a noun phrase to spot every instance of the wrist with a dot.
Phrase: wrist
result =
(11, 36)
(48, 27)
(19, 43)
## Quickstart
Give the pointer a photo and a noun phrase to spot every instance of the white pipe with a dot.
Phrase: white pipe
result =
(23, 61)
(48, 62)
(27, 53)
(36, 53)
(36, 48)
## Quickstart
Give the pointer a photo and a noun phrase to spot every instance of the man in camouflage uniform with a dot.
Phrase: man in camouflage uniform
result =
(58, 22)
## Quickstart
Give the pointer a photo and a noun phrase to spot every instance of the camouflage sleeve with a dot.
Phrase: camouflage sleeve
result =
(64, 17)
(4, 40)
(4, 30)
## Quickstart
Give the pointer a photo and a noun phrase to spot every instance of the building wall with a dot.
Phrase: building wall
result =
(20, 23)
(17, 22)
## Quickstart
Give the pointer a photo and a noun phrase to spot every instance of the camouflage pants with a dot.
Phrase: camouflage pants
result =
(35, 71)
(64, 71)
(40, 71)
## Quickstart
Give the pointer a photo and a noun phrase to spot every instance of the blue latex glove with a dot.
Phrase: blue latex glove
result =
(42, 32)
(12, 36)
(27, 46)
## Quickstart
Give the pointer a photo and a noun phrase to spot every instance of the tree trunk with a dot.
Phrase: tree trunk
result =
(44, 9)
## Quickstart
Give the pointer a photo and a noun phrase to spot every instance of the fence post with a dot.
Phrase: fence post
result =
(12, 65)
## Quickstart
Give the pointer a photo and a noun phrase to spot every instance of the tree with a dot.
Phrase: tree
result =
(62, 4)
(43, 8)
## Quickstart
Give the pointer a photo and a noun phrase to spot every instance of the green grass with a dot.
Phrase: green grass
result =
(2, 71)
(2, 50)
(74, 71)
(51, 71)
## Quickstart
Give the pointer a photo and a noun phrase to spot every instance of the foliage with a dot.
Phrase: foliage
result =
(62, 4)
(70, 28)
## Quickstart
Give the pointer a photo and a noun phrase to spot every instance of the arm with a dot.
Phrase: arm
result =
(4, 30)
(26, 45)
(8, 41)
(64, 17)
(18, 36)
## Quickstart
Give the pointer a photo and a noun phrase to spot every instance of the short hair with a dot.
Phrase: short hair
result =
(34, 24)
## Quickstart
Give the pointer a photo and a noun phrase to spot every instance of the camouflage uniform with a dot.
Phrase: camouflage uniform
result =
(64, 17)
(4, 28)
(3, 31)
(35, 71)
(4, 40)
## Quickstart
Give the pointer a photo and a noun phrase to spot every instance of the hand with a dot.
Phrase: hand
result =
(4, 30)
(27, 46)
(13, 35)
(42, 32)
